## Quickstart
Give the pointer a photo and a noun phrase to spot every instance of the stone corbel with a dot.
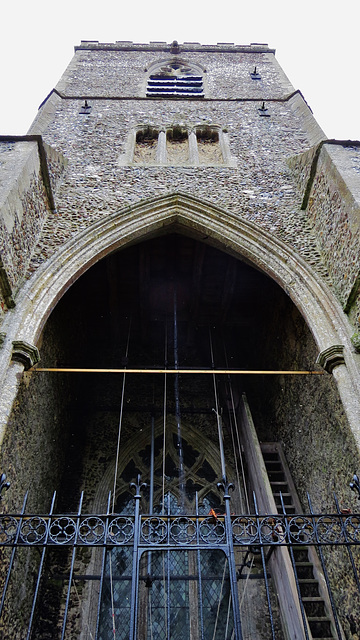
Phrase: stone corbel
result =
(331, 357)
(25, 353)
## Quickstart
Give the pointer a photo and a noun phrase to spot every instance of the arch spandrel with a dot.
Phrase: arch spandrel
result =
(208, 223)
(204, 221)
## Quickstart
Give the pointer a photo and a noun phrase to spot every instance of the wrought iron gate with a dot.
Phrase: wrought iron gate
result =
(153, 543)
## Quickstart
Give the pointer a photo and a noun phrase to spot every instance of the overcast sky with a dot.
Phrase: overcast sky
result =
(316, 42)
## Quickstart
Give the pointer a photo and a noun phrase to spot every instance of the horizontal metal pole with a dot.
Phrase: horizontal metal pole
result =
(207, 371)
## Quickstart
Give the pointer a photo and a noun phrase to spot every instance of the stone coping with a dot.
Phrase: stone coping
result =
(223, 47)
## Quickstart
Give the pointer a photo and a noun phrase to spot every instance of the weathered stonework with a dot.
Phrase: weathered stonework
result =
(25, 202)
(113, 196)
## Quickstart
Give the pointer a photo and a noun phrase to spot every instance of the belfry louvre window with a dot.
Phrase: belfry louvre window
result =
(175, 80)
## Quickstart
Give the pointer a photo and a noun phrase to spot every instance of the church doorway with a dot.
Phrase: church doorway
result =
(172, 303)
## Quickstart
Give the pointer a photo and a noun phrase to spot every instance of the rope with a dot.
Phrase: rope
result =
(246, 582)
(219, 603)
(228, 616)
(220, 435)
(120, 420)
(164, 426)
(115, 478)
(112, 597)
(237, 435)
(163, 477)
(150, 615)
(82, 608)
(236, 462)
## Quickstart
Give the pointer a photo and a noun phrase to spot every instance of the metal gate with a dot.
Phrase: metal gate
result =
(153, 544)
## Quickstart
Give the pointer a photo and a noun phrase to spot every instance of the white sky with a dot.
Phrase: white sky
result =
(316, 43)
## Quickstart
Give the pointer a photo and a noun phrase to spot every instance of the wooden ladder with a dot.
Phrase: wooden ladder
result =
(313, 595)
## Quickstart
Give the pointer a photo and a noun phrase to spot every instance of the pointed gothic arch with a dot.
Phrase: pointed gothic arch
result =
(204, 221)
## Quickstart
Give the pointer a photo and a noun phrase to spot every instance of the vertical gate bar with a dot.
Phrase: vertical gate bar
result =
(151, 499)
(177, 409)
(135, 568)
(168, 575)
(199, 567)
(13, 553)
(71, 568)
(42, 560)
(103, 565)
(232, 568)
(265, 572)
(151, 502)
(225, 485)
(302, 609)
(348, 546)
(323, 565)
(152, 456)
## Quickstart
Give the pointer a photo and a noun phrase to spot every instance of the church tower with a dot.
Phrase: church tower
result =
(179, 359)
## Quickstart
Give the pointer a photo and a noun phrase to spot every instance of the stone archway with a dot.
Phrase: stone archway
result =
(185, 214)
(129, 229)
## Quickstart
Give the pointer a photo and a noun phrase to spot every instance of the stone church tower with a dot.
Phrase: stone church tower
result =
(174, 215)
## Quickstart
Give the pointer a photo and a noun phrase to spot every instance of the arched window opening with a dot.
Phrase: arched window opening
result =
(177, 145)
(145, 145)
(208, 145)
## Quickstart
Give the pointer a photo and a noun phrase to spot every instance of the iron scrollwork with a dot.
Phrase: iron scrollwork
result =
(91, 530)
(121, 530)
(154, 530)
(212, 531)
(245, 530)
(183, 530)
(33, 530)
(8, 529)
(62, 530)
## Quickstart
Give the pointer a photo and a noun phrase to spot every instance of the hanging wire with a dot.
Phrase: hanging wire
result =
(245, 614)
(177, 409)
(237, 433)
(164, 425)
(163, 473)
(120, 420)
(246, 582)
(228, 616)
(236, 462)
(216, 410)
(112, 597)
(115, 478)
(219, 603)
(82, 609)
(150, 615)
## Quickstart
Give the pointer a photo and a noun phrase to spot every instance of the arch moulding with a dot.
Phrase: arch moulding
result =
(204, 221)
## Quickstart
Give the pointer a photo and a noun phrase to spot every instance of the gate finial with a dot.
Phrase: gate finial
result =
(355, 485)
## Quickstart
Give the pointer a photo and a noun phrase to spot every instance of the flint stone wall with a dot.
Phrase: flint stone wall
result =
(24, 206)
